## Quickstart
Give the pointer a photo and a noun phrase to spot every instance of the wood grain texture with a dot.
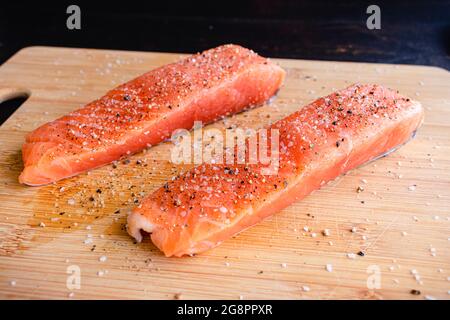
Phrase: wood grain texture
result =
(401, 219)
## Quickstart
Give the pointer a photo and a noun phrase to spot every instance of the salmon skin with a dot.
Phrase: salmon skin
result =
(146, 110)
(201, 208)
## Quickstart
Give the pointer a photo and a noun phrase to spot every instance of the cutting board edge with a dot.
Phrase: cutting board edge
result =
(39, 47)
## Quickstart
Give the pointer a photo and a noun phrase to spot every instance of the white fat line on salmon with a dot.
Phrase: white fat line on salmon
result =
(202, 311)
(236, 146)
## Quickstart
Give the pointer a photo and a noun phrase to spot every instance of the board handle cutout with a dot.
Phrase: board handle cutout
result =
(10, 100)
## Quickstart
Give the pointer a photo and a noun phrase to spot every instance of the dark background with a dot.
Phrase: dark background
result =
(412, 32)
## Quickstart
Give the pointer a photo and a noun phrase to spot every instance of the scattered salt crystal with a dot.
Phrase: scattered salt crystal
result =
(88, 241)
(427, 297)
(71, 201)
(283, 265)
(42, 225)
(227, 264)
(306, 288)
(241, 297)
(329, 267)
(313, 235)
(223, 210)
(326, 232)
(404, 233)
(412, 187)
(88, 227)
(71, 294)
(353, 229)
(436, 217)
(351, 255)
(103, 258)
(12, 283)
(306, 228)
(100, 273)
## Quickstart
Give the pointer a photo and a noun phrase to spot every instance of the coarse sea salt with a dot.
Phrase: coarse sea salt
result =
(351, 255)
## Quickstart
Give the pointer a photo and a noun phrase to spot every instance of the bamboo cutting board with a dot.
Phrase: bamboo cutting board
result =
(53, 236)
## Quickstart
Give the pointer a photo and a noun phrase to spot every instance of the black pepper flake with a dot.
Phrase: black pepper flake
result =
(362, 254)
(126, 97)
(228, 170)
(166, 187)
(415, 292)
(338, 143)
(98, 191)
(91, 198)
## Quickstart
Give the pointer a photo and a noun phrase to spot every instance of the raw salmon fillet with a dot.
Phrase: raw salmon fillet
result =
(146, 110)
(201, 208)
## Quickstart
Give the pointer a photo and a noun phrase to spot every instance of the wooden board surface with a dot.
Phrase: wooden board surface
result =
(401, 221)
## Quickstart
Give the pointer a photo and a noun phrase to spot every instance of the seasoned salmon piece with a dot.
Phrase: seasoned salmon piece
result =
(145, 111)
(199, 209)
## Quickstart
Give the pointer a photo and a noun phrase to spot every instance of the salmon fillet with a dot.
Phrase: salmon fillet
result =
(146, 110)
(201, 208)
